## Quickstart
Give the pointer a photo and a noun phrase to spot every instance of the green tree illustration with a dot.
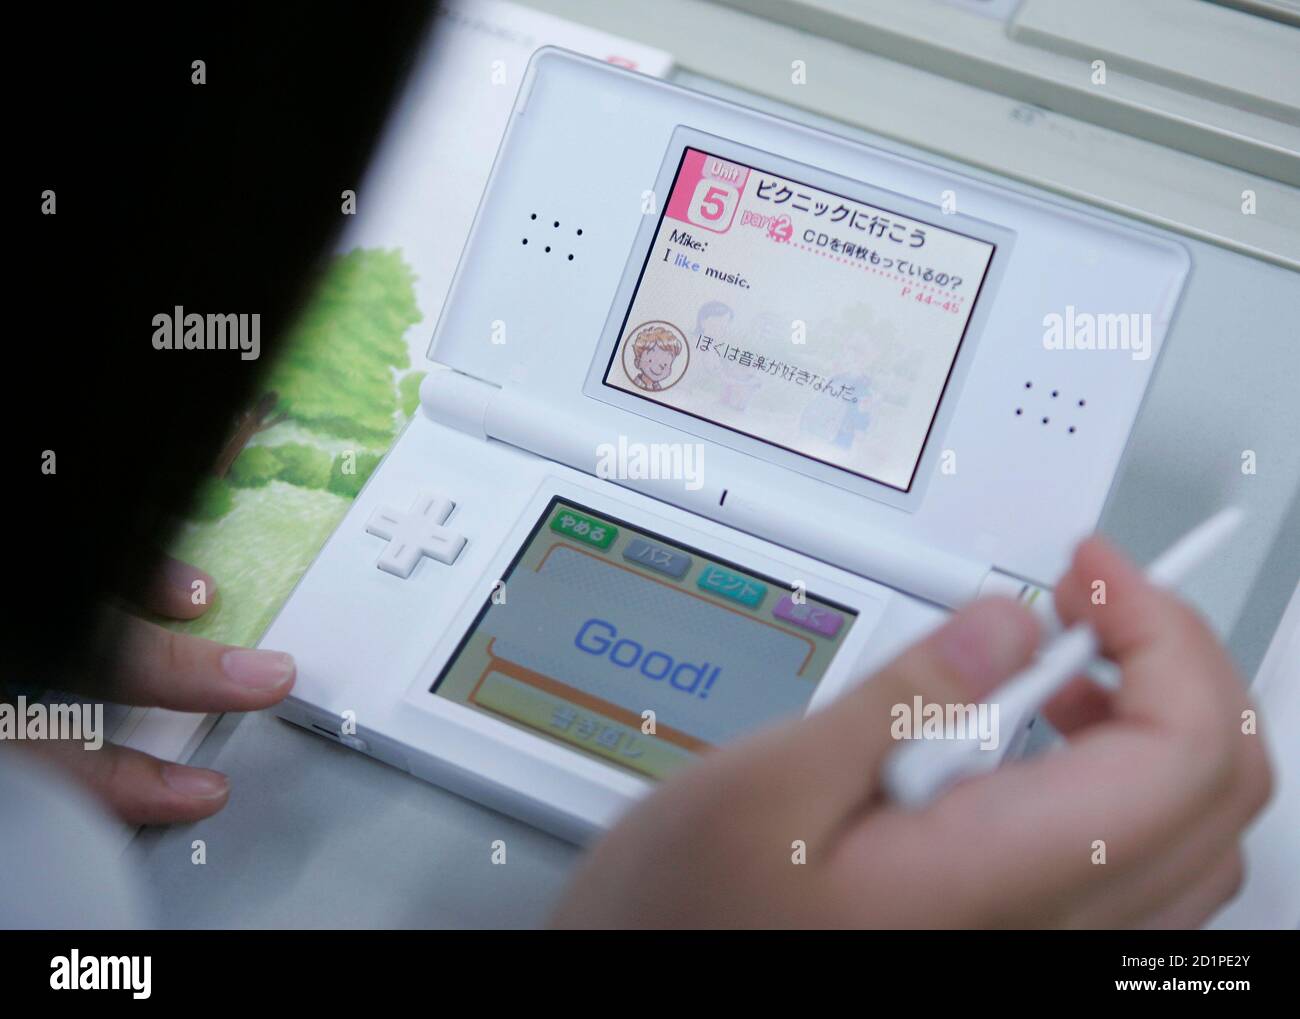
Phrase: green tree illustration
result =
(254, 467)
(213, 500)
(337, 372)
(360, 469)
(341, 373)
(304, 466)
(409, 391)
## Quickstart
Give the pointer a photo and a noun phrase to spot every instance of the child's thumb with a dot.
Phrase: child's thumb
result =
(846, 744)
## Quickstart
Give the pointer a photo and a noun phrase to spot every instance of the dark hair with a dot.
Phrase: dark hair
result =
(219, 197)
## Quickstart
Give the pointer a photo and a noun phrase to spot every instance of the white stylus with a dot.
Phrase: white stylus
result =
(921, 769)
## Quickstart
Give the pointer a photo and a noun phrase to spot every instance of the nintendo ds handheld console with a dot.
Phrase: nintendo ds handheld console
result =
(732, 409)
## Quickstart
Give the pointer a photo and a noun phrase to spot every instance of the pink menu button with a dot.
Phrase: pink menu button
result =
(821, 620)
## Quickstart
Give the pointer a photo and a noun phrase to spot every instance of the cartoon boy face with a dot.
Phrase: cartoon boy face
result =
(654, 351)
(656, 362)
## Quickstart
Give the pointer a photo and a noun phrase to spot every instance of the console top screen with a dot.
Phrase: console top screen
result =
(814, 322)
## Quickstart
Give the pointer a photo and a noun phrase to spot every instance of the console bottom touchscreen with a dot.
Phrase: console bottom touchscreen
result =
(637, 649)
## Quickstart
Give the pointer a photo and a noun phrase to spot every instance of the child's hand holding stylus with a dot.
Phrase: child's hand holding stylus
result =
(1158, 780)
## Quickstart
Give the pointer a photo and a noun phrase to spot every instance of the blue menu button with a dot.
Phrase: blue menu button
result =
(734, 586)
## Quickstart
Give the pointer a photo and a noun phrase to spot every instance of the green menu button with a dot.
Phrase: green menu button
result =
(580, 527)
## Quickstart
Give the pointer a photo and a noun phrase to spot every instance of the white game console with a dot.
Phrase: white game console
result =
(732, 409)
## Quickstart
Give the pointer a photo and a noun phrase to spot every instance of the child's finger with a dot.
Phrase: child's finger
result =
(1170, 769)
(158, 667)
(179, 590)
(1081, 704)
(138, 788)
(844, 746)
